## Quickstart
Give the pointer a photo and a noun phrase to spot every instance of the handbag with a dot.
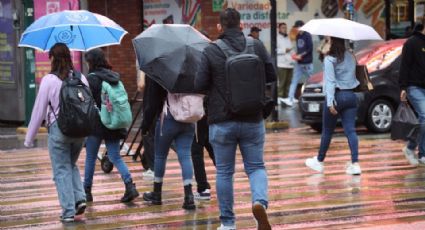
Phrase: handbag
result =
(405, 123)
(362, 76)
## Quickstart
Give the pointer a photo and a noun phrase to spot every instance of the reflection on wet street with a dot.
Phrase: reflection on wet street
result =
(390, 194)
(291, 115)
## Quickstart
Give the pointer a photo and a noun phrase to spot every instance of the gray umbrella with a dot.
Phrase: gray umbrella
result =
(170, 54)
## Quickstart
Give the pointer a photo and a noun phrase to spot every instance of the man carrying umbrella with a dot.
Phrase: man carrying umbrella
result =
(228, 128)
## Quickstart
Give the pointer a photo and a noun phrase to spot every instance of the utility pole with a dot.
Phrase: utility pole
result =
(387, 19)
(273, 23)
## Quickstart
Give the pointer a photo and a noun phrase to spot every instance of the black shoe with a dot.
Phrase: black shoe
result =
(189, 201)
(153, 197)
(80, 207)
(130, 192)
(89, 196)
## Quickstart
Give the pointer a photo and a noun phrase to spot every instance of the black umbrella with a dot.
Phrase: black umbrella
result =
(170, 54)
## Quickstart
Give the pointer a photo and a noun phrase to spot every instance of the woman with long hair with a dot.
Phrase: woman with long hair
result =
(63, 150)
(339, 70)
(99, 71)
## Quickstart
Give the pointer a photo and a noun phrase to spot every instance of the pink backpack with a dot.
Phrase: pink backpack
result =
(184, 107)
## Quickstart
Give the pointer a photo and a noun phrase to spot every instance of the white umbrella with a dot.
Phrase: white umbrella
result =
(341, 28)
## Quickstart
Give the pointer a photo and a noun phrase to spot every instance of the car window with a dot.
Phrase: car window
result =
(384, 59)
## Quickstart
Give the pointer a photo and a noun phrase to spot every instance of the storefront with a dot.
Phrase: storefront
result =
(204, 14)
(404, 15)
(11, 83)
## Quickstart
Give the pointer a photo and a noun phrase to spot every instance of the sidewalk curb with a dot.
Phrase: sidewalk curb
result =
(269, 125)
(277, 125)
(24, 130)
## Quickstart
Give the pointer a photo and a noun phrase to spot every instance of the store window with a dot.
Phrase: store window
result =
(406, 15)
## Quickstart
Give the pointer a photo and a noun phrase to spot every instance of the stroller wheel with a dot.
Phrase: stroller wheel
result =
(106, 165)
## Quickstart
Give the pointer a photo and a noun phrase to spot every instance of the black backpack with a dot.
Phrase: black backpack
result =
(78, 113)
(245, 79)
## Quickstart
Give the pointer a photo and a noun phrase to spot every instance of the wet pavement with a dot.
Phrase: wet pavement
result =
(390, 194)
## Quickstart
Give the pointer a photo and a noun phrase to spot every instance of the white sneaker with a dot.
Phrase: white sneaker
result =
(148, 174)
(226, 227)
(410, 156)
(353, 169)
(422, 160)
(288, 101)
(295, 101)
(280, 100)
(314, 164)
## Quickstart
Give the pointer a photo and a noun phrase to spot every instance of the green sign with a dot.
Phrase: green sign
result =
(217, 5)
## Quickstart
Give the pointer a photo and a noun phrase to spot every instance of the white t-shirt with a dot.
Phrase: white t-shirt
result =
(284, 59)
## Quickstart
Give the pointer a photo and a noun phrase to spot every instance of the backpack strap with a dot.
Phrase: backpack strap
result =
(225, 48)
(76, 74)
(228, 51)
(48, 114)
(93, 74)
(249, 48)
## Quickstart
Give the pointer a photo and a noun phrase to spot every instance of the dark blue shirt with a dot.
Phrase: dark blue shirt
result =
(305, 47)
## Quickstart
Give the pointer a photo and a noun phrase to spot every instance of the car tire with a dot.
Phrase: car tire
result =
(379, 116)
(316, 127)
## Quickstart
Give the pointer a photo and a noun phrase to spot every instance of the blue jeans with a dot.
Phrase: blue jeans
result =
(113, 148)
(225, 137)
(64, 152)
(300, 70)
(346, 105)
(182, 134)
(416, 96)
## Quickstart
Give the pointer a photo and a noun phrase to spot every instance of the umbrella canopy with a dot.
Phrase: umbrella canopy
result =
(80, 30)
(170, 54)
(341, 28)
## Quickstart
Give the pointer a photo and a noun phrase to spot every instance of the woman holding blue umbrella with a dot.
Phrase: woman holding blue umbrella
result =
(63, 150)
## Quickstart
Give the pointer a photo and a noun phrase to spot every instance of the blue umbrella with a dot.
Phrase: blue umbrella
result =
(80, 30)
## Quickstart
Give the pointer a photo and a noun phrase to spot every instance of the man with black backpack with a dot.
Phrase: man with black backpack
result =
(234, 70)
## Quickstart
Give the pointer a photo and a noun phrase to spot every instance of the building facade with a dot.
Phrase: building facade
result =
(21, 69)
